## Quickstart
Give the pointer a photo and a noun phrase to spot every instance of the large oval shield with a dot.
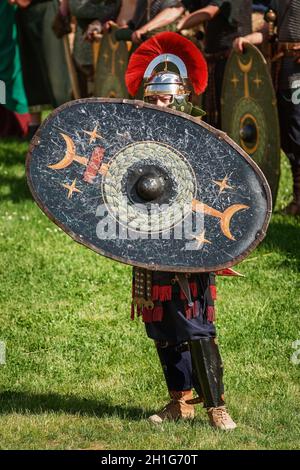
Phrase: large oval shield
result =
(148, 187)
(249, 111)
(111, 67)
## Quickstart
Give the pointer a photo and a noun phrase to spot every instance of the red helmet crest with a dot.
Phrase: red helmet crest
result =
(167, 43)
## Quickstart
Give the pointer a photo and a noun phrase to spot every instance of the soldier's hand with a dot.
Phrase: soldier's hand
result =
(136, 36)
(108, 25)
(238, 44)
(94, 31)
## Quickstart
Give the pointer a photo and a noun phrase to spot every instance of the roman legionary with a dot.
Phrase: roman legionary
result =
(180, 319)
(45, 72)
(285, 15)
(225, 20)
(90, 16)
(110, 65)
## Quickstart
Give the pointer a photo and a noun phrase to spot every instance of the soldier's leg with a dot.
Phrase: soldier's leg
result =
(294, 207)
(177, 368)
(200, 332)
(179, 363)
(209, 369)
(176, 361)
(289, 115)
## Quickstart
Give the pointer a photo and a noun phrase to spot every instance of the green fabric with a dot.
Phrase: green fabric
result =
(186, 107)
(197, 112)
(45, 71)
(10, 65)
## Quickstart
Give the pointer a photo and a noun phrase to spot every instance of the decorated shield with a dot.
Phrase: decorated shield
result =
(111, 67)
(147, 186)
(249, 111)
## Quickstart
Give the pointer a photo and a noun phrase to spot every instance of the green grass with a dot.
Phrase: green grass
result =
(79, 374)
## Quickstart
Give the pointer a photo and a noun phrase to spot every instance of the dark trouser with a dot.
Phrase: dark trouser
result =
(188, 353)
(289, 118)
(177, 366)
(13, 124)
(213, 93)
(85, 74)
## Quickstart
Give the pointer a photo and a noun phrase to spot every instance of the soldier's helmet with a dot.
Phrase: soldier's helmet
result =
(169, 64)
(166, 82)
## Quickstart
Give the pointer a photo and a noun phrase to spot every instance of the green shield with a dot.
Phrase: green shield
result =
(249, 111)
(111, 67)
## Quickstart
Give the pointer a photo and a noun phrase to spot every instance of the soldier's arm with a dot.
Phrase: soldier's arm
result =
(126, 12)
(95, 9)
(165, 17)
(198, 17)
(253, 38)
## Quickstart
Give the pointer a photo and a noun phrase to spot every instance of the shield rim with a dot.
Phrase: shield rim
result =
(141, 104)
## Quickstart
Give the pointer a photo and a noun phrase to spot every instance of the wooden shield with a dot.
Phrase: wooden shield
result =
(147, 186)
(111, 67)
(249, 111)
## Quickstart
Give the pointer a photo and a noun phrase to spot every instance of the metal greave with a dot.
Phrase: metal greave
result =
(208, 367)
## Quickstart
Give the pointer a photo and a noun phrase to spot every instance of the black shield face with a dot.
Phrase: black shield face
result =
(147, 186)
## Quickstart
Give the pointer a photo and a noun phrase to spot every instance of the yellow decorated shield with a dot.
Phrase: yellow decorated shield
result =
(111, 67)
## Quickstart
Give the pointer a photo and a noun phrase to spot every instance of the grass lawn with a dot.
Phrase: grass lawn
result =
(79, 374)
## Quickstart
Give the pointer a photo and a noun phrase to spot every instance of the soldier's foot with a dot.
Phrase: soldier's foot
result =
(220, 418)
(176, 409)
(292, 209)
